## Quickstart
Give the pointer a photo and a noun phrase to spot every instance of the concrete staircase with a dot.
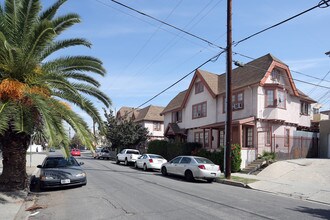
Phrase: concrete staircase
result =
(254, 166)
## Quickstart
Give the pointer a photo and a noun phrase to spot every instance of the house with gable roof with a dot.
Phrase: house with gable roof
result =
(268, 110)
(149, 117)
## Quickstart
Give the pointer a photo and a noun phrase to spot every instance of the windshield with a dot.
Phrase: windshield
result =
(56, 162)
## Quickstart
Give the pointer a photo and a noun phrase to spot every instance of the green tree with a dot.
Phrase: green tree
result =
(124, 133)
(37, 86)
(75, 142)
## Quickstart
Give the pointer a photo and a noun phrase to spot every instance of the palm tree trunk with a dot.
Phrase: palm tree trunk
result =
(14, 147)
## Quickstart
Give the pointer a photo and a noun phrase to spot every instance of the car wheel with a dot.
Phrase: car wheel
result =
(117, 161)
(164, 171)
(145, 168)
(126, 162)
(210, 180)
(189, 176)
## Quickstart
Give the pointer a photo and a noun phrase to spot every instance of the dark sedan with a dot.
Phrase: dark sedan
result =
(57, 171)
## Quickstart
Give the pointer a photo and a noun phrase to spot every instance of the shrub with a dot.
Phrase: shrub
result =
(236, 159)
(158, 147)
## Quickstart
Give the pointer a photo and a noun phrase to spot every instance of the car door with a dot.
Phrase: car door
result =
(121, 155)
(183, 165)
(139, 162)
(171, 167)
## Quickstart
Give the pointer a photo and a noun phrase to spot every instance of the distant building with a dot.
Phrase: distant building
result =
(149, 117)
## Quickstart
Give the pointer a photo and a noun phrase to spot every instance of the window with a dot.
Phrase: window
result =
(199, 87)
(177, 116)
(268, 137)
(270, 98)
(157, 126)
(198, 137)
(276, 76)
(286, 137)
(185, 160)
(176, 160)
(275, 98)
(249, 137)
(237, 101)
(304, 108)
(281, 100)
(199, 110)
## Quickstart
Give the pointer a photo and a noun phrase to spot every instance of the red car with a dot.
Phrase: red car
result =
(75, 152)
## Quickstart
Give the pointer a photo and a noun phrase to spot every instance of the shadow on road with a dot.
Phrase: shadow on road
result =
(317, 213)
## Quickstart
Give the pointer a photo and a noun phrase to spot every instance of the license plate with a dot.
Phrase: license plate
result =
(66, 181)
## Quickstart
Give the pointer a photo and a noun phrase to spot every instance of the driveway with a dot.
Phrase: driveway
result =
(302, 178)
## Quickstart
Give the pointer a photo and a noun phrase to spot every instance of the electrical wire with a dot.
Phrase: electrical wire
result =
(321, 4)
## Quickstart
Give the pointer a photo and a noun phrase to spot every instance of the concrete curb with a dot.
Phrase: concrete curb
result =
(232, 183)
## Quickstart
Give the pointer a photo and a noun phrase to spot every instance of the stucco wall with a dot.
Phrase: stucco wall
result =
(324, 143)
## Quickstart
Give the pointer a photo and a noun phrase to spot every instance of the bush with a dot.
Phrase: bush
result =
(236, 159)
(158, 147)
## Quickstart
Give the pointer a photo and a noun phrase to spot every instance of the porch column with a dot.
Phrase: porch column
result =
(210, 138)
(204, 137)
(240, 132)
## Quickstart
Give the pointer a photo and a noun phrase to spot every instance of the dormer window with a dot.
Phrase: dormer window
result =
(276, 76)
(199, 87)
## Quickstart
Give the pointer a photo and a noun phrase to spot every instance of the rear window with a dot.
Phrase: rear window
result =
(203, 160)
(133, 152)
(156, 156)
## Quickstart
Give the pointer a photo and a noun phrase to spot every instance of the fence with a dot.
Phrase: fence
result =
(294, 147)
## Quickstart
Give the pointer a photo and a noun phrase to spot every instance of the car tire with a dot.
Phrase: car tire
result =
(126, 162)
(189, 176)
(117, 161)
(164, 171)
(210, 180)
(145, 168)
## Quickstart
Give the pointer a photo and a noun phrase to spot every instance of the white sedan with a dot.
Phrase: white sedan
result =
(192, 167)
(150, 161)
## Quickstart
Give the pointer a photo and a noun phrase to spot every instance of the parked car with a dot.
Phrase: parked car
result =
(104, 154)
(150, 161)
(57, 171)
(128, 156)
(192, 167)
(52, 149)
(75, 152)
(97, 153)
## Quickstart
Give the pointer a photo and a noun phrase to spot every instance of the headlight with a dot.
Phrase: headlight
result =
(81, 175)
(46, 177)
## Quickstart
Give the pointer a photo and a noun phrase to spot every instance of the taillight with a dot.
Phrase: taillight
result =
(150, 160)
(202, 167)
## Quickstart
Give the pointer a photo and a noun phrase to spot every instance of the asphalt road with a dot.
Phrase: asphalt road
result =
(120, 192)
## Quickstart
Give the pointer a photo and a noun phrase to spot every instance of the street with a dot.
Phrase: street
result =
(119, 192)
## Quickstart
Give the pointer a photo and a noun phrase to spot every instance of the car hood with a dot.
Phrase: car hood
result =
(62, 172)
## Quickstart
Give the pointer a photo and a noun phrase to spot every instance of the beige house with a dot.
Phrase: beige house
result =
(269, 112)
(149, 117)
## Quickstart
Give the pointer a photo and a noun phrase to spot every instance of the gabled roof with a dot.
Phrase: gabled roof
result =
(149, 113)
(253, 73)
(125, 112)
(175, 103)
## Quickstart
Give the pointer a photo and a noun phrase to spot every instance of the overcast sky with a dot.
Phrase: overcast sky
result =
(142, 57)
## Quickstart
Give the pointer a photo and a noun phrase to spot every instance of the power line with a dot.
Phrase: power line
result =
(321, 4)
(167, 24)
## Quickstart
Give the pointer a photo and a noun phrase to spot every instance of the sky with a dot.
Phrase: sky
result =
(143, 57)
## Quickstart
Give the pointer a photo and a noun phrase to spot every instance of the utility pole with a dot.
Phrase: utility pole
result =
(228, 128)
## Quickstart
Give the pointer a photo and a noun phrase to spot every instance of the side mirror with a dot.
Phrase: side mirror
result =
(39, 166)
(81, 163)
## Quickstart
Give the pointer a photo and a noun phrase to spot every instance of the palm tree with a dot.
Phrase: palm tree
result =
(36, 90)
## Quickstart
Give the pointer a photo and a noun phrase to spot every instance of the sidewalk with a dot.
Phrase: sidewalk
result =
(11, 203)
(307, 179)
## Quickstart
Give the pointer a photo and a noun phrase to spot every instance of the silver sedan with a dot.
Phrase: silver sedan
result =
(192, 167)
